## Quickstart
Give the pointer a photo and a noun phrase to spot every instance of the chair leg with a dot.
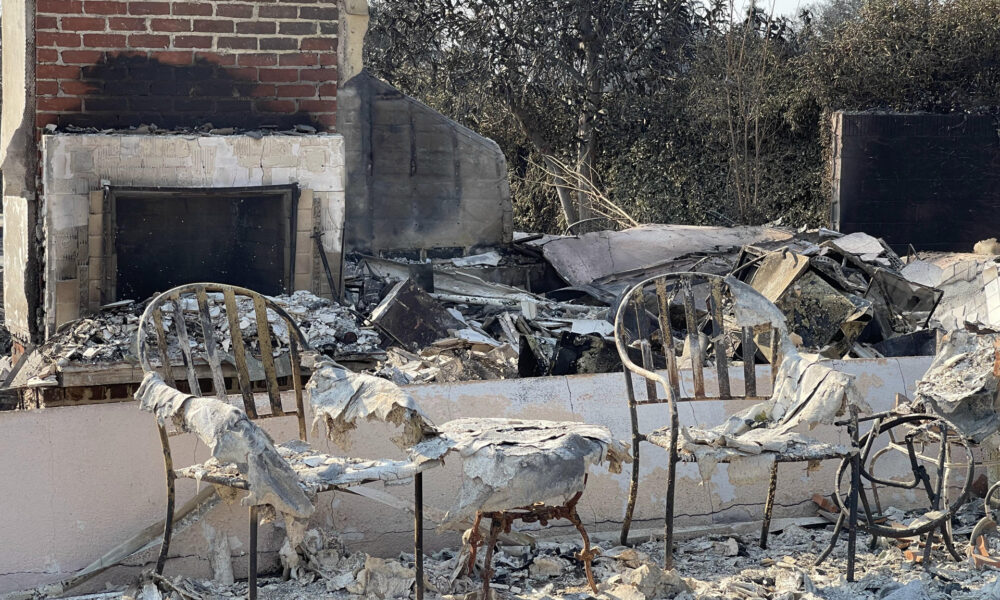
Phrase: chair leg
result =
(949, 541)
(633, 488)
(418, 534)
(168, 521)
(168, 526)
(852, 519)
(474, 541)
(769, 505)
(633, 494)
(252, 568)
(496, 525)
(586, 554)
(837, 528)
(668, 516)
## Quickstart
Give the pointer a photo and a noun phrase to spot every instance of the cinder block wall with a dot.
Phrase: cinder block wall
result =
(232, 64)
(416, 180)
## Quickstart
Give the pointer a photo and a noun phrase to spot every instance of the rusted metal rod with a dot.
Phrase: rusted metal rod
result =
(418, 534)
(252, 567)
(769, 505)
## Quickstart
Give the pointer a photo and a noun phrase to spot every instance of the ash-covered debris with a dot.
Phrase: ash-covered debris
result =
(447, 361)
(728, 566)
(970, 286)
(470, 318)
(329, 326)
(962, 384)
(110, 335)
(552, 299)
(842, 295)
(545, 305)
(205, 129)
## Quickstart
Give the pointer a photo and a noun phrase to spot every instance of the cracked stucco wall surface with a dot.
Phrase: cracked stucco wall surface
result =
(74, 166)
(94, 474)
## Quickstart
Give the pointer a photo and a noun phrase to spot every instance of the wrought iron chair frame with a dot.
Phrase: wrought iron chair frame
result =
(682, 284)
(298, 345)
(911, 423)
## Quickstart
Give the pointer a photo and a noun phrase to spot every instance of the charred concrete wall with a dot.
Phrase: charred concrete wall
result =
(928, 180)
(19, 164)
(416, 179)
(76, 209)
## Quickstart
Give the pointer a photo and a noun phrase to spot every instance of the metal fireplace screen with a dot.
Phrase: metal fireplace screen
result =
(164, 237)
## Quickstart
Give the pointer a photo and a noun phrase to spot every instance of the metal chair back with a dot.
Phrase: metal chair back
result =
(697, 304)
(661, 313)
(177, 332)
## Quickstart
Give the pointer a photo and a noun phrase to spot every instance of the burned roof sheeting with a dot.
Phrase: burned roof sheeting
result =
(510, 463)
(340, 397)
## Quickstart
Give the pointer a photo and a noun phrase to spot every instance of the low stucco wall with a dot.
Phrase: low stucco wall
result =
(78, 481)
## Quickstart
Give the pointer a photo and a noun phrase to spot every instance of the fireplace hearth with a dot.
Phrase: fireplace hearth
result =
(128, 215)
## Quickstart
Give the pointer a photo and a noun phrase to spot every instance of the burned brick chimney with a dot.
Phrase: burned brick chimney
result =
(147, 144)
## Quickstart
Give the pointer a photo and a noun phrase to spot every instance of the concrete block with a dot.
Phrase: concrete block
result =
(305, 220)
(95, 246)
(96, 268)
(82, 161)
(303, 263)
(305, 199)
(67, 211)
(303, 240)
(94, 294)
(302, 281)
(95, 225)
(97, 202)
(67, 300)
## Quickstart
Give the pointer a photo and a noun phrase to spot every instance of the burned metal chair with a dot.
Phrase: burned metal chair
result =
(193, 326)
(925, 440)
(521, 470)
(979, 550)
(697, 312)
(954, 409)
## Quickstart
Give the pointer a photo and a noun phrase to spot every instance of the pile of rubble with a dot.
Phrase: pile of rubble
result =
(545, 305)
(550, 301)
(844, 295)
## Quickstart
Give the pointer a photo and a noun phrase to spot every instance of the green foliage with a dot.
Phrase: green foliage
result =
(927, 55)
(700, 117)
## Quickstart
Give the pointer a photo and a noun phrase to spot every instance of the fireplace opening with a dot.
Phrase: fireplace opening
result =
(164, 237)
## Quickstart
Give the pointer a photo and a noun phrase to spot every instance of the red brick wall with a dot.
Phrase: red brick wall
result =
(110, 63)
